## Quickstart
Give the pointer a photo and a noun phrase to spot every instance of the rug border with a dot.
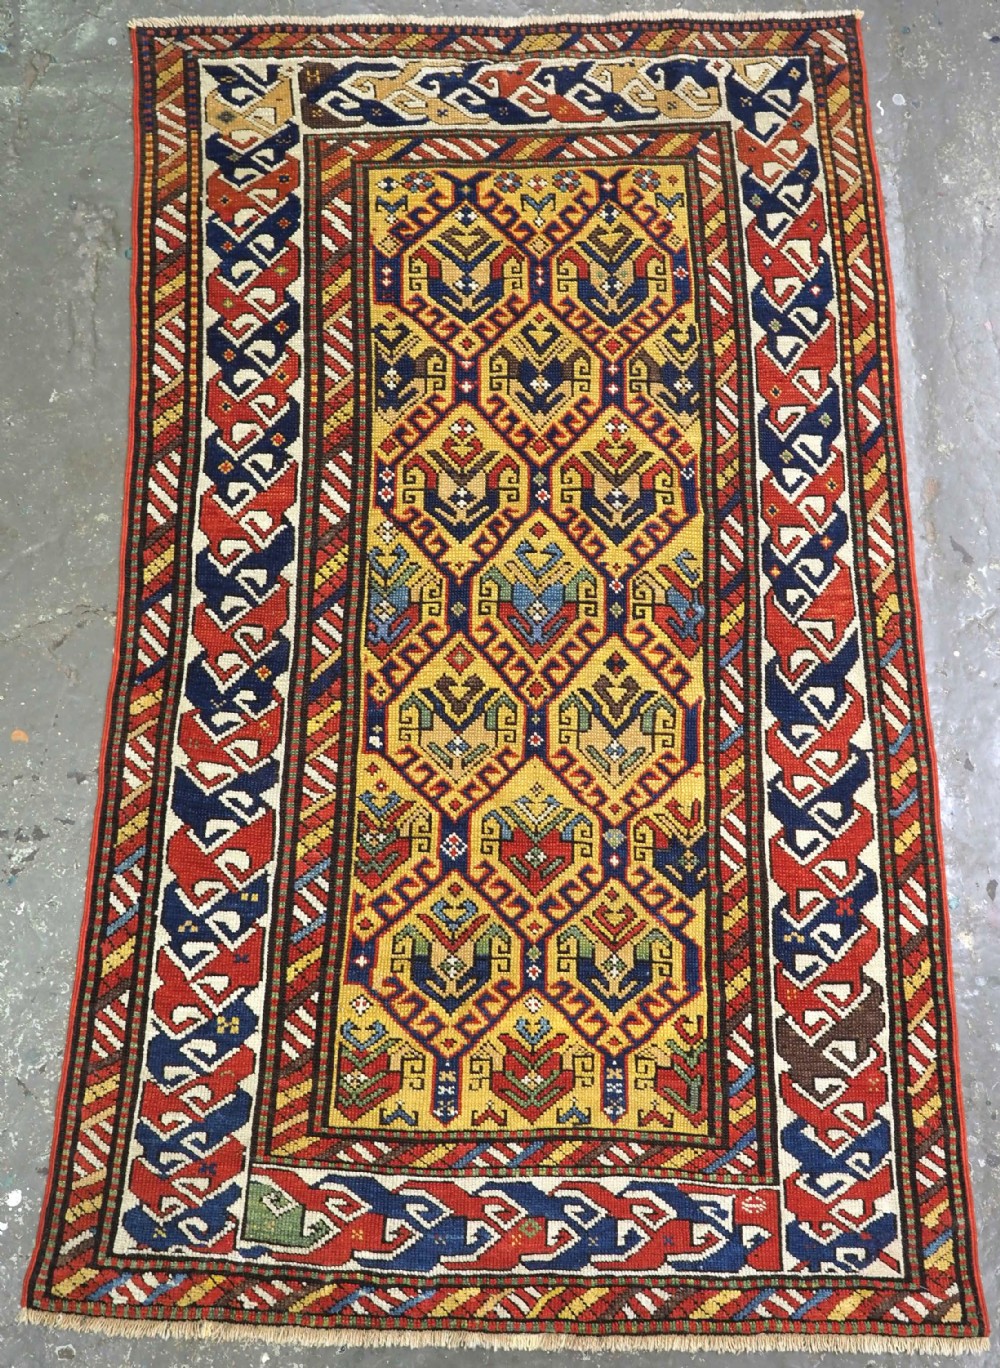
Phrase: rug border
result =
(216, 21)
(104, 776)
(218, 1330)
(910, 580)
(210, 1328)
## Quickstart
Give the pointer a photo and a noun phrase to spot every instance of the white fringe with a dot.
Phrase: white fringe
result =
(350, 21)
(464, 1339)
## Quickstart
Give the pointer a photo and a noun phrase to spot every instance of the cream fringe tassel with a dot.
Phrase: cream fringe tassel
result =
(479, 20)
(462, 1339)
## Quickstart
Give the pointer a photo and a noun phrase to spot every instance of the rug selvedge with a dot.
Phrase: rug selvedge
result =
(485, 682)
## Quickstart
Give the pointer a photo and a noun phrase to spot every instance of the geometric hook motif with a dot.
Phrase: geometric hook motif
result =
(541, 289)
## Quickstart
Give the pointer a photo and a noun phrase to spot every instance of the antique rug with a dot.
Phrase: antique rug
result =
(516, 912)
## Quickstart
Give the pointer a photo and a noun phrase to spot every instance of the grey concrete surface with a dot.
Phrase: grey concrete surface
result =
(65, 167)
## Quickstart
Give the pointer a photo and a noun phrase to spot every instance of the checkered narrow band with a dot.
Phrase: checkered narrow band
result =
(516, 910)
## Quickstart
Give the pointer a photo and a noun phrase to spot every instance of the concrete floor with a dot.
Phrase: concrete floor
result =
(65, 168)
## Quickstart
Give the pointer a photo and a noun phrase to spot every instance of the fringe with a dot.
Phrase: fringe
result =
(350, 21)
(464, 1339)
